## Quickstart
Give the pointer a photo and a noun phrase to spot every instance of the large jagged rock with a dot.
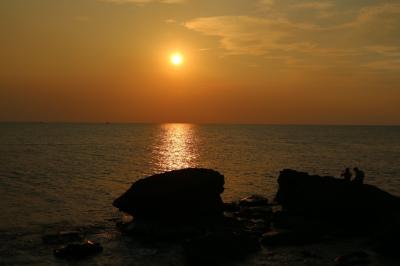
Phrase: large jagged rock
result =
(337, 200)
(191, 192)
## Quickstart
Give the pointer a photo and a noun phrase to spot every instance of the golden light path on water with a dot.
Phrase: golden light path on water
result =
(177, 147)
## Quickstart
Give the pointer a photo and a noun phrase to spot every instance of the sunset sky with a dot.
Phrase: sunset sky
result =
(243, 61)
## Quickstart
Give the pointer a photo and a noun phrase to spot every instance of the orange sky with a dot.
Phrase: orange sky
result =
(245, 61)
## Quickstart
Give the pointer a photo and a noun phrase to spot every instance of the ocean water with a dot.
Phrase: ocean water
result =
(65, 175)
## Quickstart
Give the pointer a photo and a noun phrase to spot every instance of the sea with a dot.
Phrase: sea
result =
(56, 176)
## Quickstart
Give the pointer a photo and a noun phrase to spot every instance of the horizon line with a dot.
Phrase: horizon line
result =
(192, 123)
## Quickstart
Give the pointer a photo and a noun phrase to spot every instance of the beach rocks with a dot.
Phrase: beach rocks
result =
(78, 251)
(191, 192)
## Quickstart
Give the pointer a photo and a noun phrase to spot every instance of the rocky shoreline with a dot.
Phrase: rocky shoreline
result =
(184, 209)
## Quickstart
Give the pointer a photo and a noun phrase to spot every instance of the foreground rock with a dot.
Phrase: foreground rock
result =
(342, 202)
(185, 207)
(188, 192)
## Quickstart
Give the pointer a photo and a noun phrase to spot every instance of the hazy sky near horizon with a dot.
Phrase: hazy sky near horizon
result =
(245, 61)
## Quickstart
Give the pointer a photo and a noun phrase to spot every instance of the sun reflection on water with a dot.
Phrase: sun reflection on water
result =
(176, 148)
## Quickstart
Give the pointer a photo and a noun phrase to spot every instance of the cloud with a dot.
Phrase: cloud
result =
(258, 36)
(360, 36)
(242, 34)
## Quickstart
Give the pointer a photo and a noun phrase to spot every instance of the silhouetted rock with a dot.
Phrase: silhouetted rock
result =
(78, 251)
(343, 203)
(187, 192)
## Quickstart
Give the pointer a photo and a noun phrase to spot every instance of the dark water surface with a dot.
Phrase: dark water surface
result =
(68, 174)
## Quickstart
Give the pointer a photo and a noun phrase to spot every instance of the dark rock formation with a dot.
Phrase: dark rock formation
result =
(181, 193)
(330, 197)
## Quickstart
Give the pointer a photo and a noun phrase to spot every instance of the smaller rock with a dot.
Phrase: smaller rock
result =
(253, 201)
(78, 251)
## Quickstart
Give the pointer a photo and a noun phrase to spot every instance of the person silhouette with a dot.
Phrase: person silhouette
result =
(346, 174)
(359, 176)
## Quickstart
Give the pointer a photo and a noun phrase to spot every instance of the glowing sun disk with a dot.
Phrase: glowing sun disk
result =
(176, 59)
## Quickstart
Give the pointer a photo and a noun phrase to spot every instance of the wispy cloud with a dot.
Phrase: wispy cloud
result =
(241, 34)
(288, 35)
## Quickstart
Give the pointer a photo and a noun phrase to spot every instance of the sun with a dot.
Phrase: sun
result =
(176, 59)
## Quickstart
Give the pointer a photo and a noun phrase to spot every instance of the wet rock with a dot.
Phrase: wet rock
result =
(354, 258)
(253, 201)
(62, 237)
(78, 251)
(180, 193)
(218, 247)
